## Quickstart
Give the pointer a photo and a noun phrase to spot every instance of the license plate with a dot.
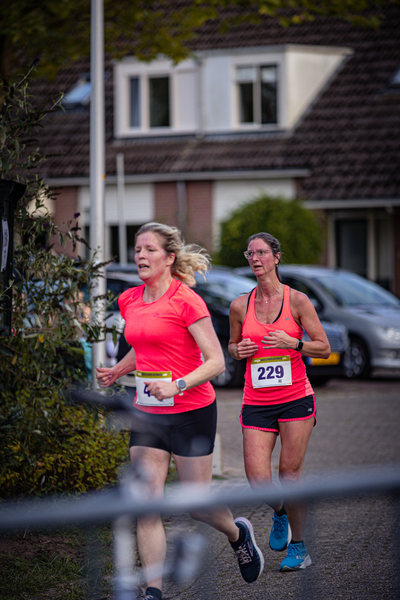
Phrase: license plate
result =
(333, 359)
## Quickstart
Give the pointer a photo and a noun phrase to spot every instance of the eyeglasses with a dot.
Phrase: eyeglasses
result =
(260, 254)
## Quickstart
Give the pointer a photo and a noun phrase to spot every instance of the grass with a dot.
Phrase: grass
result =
(57, 565)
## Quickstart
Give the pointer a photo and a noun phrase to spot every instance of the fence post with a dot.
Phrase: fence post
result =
(124, 549)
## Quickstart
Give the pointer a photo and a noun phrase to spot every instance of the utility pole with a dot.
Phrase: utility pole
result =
(97, 162)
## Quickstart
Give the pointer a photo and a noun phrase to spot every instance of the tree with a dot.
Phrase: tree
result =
(296, 228)
(56, 446)
(59, 32)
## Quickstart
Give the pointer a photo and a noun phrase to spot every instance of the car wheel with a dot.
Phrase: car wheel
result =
(358, 362)
(233, 376)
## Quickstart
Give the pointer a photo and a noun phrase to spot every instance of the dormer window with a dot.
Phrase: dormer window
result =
(155, 110)
(157, 98)
(394, 83)
(257, 90)
(79, 94)
(221, 91)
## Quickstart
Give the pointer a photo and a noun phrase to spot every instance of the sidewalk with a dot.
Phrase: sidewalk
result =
(349, 541)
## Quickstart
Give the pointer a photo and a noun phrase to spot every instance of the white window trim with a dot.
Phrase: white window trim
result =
(275, 59)
(129, 68)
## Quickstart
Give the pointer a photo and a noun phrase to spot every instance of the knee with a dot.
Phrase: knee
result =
(290, 473)
(197, 515)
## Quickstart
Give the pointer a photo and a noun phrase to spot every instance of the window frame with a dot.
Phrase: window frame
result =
(130, 68)
(257, 95)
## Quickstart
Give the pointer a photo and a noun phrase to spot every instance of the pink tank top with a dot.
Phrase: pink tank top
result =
(269, 371)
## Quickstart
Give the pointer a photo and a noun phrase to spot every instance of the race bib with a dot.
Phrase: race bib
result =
(271, 371)
(143, 394)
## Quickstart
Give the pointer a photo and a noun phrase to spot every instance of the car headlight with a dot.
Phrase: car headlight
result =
(391, 333)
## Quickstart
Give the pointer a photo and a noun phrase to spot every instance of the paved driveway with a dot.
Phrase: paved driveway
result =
(350, 541)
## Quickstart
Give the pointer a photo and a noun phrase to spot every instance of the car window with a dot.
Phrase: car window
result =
(348, 289)
(222, 288)
(116, 287)
(299, 285)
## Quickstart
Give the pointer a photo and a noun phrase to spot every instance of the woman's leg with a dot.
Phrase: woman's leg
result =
(257, 449)
(199, 470)
(240, 532)
(150, 531)
(295, 436)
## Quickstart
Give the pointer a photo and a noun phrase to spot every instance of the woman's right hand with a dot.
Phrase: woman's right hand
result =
(106, 376)
(246, 348)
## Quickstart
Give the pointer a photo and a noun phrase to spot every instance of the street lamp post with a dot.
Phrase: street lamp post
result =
(97, 161)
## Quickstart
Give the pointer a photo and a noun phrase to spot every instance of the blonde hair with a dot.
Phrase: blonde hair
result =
(188, 258)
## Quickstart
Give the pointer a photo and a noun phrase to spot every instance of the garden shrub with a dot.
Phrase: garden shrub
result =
(52, 445)
(296, 228)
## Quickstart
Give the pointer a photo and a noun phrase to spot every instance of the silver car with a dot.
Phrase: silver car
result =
(370, 313)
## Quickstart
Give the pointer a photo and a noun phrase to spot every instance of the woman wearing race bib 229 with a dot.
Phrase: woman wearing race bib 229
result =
(266, 330)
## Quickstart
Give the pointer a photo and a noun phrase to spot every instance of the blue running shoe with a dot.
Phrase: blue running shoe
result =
(296, 558)
(281, 534)
(250, 558)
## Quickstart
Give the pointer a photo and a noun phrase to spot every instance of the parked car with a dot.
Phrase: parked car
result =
(370, 313)
(218, 291)
(221, 287)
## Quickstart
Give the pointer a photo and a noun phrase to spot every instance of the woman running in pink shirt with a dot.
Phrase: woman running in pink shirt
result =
(266, 330)
(175, 353)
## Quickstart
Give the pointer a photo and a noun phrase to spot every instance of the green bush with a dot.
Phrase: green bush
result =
(52, 446)
(62, 448)
(296, 228)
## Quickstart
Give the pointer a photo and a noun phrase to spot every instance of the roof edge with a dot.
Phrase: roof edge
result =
(189, 176)
(351, 203)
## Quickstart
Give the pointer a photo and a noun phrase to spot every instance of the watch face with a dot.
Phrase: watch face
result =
(181, 384)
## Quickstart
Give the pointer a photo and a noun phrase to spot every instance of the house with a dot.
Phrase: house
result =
(311, 112)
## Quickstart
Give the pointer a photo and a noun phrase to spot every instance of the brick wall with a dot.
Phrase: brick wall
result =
(199, 213)
(198, 209)
(166, 203)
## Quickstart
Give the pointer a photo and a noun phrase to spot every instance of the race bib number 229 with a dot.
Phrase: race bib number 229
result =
(271, 371)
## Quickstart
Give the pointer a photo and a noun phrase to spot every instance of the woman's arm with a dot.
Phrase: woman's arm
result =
(238, 347)
(107, 376)
(305, 314)
(214, 363)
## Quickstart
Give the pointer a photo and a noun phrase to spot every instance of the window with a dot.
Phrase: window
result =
(131, 231)
(257, 91)
(156, 98)
(158, 93)
(134, 83)
(114, 242)
(79, 94)
(351, 245)
(159, 101)
(299, 285)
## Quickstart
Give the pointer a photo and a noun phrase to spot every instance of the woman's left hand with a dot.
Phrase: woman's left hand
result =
(278, 339)
(161, 389)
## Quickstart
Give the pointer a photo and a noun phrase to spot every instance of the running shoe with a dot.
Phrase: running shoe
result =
(250, 558)
(281, 534)
(296, 558)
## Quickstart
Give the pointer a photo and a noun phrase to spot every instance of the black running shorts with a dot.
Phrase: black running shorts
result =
(267, 417)
(189, 433)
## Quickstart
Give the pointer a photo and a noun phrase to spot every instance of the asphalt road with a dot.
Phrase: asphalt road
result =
(351, 541)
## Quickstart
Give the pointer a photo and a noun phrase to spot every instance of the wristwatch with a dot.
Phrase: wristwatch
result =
(181, 385)
(300, 345)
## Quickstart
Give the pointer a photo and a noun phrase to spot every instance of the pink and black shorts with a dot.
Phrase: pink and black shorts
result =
(267, 417)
